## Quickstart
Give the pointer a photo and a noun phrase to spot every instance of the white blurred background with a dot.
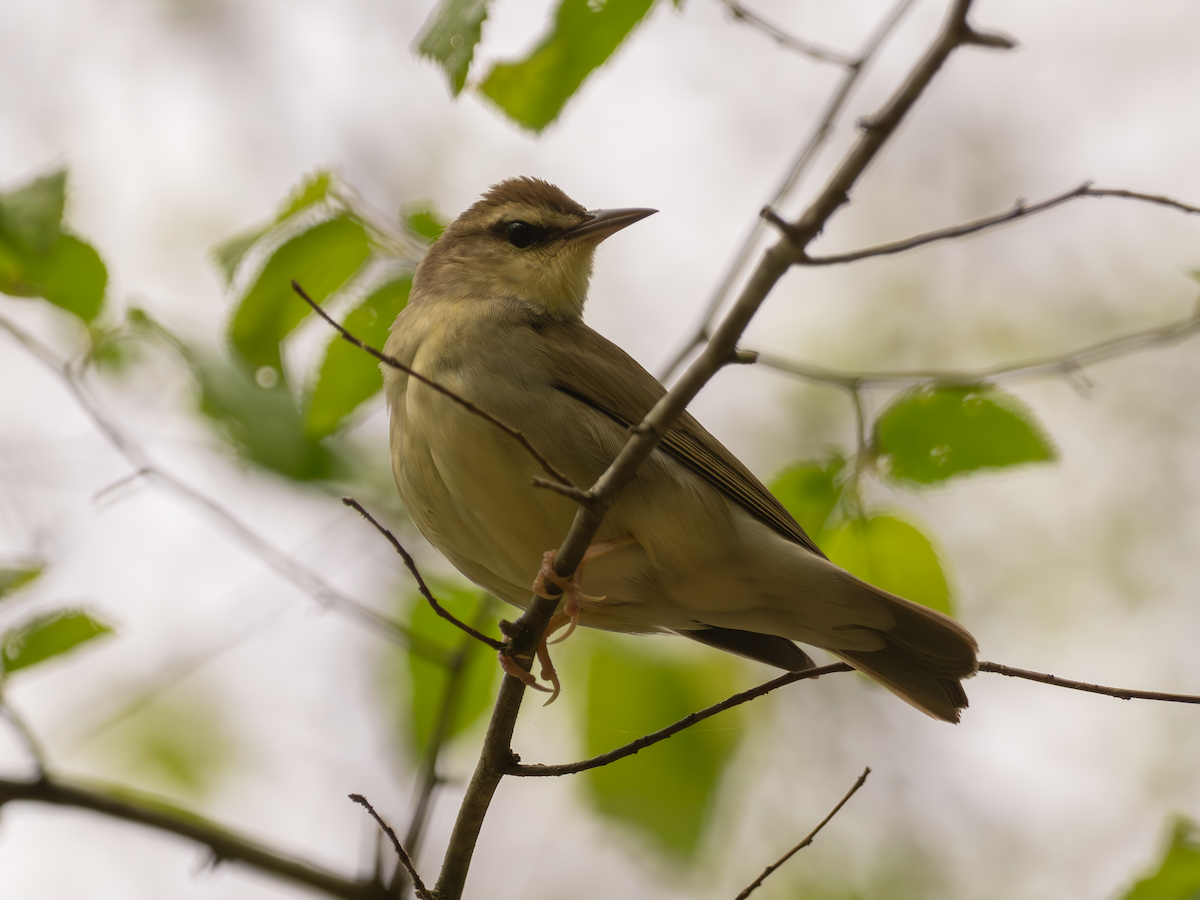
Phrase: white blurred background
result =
(185, 121)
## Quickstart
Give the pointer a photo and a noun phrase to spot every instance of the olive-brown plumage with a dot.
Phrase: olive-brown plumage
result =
(496, 316)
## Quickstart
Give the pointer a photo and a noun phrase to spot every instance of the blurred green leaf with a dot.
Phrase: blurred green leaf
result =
(1178, 876)
(810, 492)
(932, 433)
(179, 745)
(474, 683)
(421, 218)
(892, 554)
(263, 422)
(533, 91)
(450, 35)
(16, 577)
(313, 189)
(665, 790)
(321, 260)
(31, 215)
(349, 376)
(47, 636)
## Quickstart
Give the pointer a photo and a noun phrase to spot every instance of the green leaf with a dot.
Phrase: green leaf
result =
(421, 218)
(474, 682)
(263, 422)
(70, 275)
(229, 254)
(16, 577)
(810, 491)
(47, 636)
(665, 790)
(533, 91)
(932, 433)
(892, 554)
(349, 376)
(31, 216)
(321, 259)
(1178, 876)
(450, 35)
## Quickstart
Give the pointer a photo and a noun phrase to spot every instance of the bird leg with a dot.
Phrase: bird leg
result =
(570, 614)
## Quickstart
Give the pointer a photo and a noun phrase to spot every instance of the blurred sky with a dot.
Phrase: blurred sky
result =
(184, 121)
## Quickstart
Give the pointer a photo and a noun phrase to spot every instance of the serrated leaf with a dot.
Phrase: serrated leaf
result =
(349, 376)
(449, 37)
(810, 492)
(31, 215)
(16, 577)
(1178, 876)
(263, 423)
(666, 790)
(421, 218)
(471, 689)
(932, 433)
(892, 554)
(321, 259)
(586, 33)
(46, 637)
(229, 254)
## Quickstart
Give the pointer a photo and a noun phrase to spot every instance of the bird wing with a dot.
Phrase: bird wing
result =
(599, 374)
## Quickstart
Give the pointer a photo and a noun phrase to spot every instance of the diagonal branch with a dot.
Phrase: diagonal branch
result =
(1119, 693)
(421, 585)
(225, 845)
(1019, 210)
(742, 13)
(405, 862)
(808, 839)
(466, 404)
(604, 759)
(285, 566)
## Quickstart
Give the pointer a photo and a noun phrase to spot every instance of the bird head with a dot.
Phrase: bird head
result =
(523, 239)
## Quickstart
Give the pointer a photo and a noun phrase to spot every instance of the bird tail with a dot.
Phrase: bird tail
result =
(925, 657)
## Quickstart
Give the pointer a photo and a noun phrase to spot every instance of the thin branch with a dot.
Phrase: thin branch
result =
(537, 770)
(284, 565)
(1119, 693)
(421, 585)
(720, 350)
(225, 845)
(418, 885)
(862, 779)
(822, 54)
(466, 404)
(804, 158)
(1067, 365)
(1020, 209)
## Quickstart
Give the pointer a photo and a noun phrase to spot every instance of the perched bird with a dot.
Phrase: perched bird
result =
(696, 545)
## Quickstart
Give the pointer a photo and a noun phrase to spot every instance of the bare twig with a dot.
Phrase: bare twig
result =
(753, 886)
(804, 158)
(604, 759)
(421, 585)
(418, 885)
(466, 404)
(225, 845)
(284, 565)
(1020, 209)
(720, 350)
(1119, 693)
(822, 54)
(1068, 364)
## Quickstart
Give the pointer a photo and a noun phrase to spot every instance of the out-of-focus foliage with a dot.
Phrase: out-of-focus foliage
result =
(665, 790)
(450, 35)
(1178, 875)
(46, 636)
(13, 578)
(930, 434)
(466, 677)
(811, 491)
(39, 258)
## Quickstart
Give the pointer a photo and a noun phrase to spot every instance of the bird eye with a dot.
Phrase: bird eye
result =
(521, 234)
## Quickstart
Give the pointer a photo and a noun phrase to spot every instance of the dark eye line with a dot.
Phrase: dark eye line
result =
(522, 234)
